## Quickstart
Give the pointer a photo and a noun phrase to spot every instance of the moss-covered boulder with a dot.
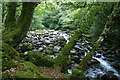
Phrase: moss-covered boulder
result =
(24, 70)
(25, 47)
(77, 74)
(39, 59)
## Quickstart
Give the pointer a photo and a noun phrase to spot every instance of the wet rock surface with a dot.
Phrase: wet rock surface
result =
(49, 41)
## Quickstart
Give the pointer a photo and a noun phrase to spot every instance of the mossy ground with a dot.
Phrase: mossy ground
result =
(23, 69)
(26, 67)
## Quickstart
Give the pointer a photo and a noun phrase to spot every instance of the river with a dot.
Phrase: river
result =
(98, 66)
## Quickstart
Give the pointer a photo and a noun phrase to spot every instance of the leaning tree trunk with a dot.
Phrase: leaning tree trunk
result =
(15, 31)
(62, 58)
(83, 65)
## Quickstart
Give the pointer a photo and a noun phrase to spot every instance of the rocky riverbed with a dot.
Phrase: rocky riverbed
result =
(105, 63)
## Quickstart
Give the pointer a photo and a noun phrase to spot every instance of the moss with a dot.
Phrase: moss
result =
(28, 70)
(78, 74)
(26, 47)
(24, 70)
(62, 59)
(87, 58)
(7, 61)
(10, 51)
(24, 74)
(5, 75)
(8, 64)
(8, 54)
(39, 59)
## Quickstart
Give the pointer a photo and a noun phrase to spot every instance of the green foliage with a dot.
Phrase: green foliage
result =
(51, 20)
(75, 19)
(4, 10)
(37, 26)
(70, 18)
(112, 35)
(39, 13)
(5, 75)
(18, 9)
(99, 23)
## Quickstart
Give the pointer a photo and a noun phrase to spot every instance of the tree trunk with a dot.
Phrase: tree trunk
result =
(89, 56)
(15, 31)
(83, 65)
(62, 58)
(10, 21)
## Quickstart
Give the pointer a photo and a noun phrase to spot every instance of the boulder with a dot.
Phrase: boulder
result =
(25, 47)
(105, 49)
(77, 47)
(46, 42)
(73, 51)
(110, 52)
(63, 44)
(51, 45)
(40, 49)
(46, 35)
(39, 59)
(77, 74)
(55, 51)
(94, 61)
(117, 65)
(42, 39)
(48, 51)
(57, 47)
(75, 59)
(110, 59)
(38, 43)
(109, 76)
(98, 56)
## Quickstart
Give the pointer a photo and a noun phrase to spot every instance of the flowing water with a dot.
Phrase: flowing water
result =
(95, 70)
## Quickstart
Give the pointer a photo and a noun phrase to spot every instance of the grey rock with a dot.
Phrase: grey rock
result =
(109, 76)
(40, 49)
(39, 43)
(57, 47)
(94, 61)
(48, 51)
(42, 39)
(46, 42)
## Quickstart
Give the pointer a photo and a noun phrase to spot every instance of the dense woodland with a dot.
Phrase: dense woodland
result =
(61, 40)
